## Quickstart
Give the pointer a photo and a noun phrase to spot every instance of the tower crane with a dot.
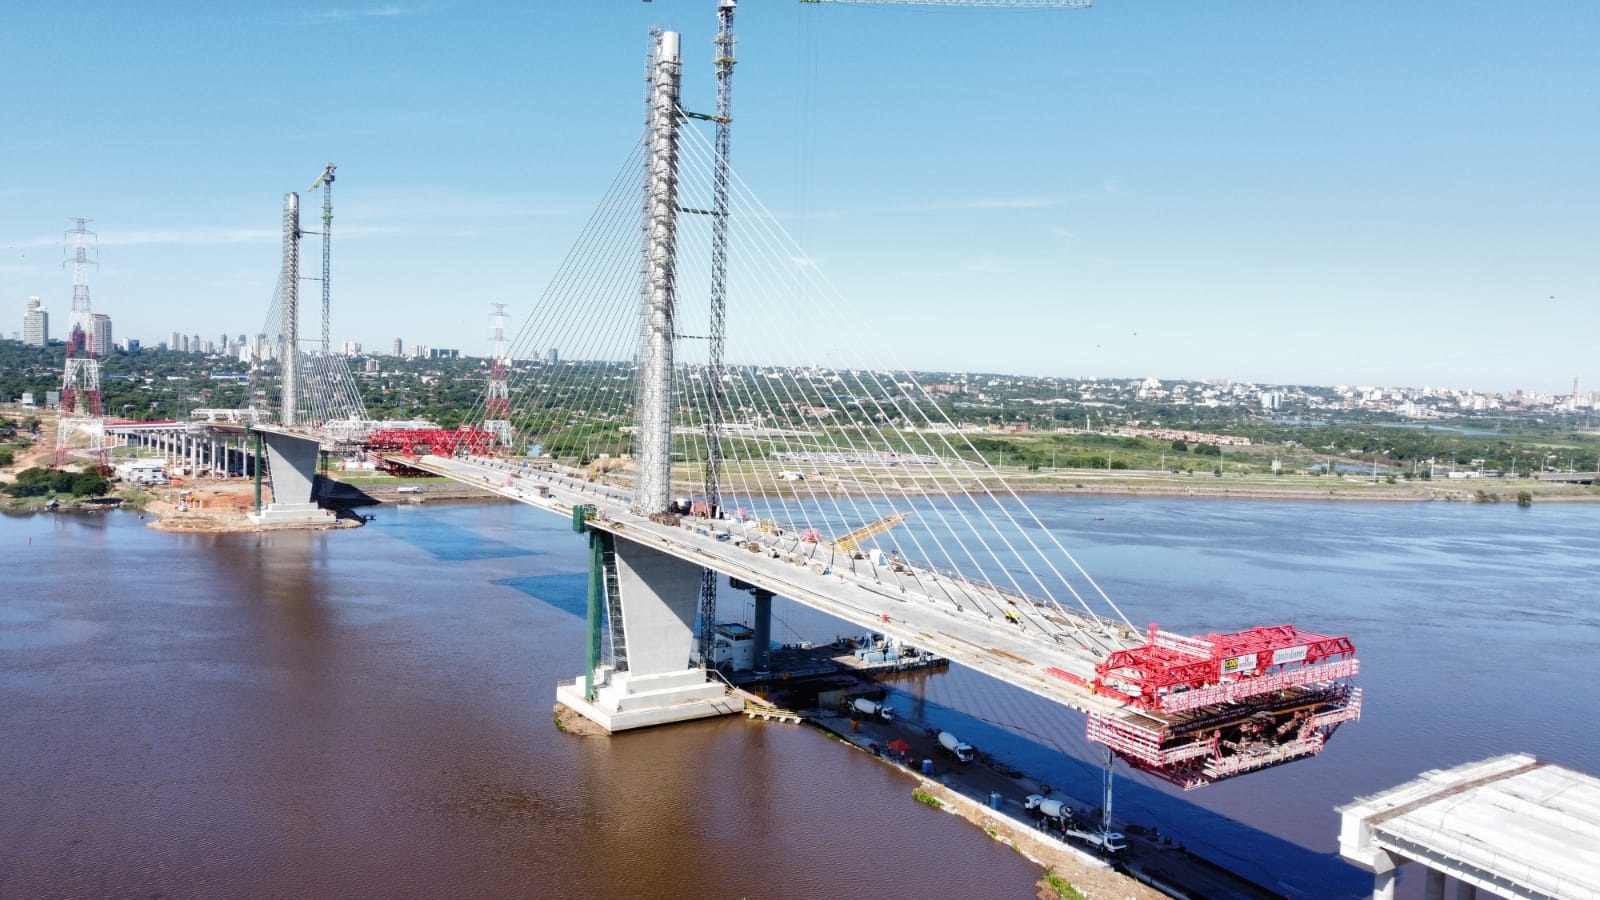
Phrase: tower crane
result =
(325, 181)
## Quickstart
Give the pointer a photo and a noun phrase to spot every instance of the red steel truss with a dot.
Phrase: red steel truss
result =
(1197, 710)
(1165, 671)
(435, 441)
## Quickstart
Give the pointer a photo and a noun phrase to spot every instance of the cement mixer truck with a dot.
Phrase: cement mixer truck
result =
(955, 747)
(1044, 807)
(873, 710)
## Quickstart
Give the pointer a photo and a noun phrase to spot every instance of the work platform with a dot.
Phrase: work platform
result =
(1512, 826)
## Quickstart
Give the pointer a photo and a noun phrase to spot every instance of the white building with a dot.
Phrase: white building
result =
(100, 335)
(35, 324)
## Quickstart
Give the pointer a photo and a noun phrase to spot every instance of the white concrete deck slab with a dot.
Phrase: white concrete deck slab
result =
(873, 598)
(1511, 825)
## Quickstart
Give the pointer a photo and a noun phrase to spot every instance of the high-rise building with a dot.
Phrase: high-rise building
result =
(175, 342)
(555, 356)
(35, 324)
(350, 348)
(398, 346)
(100, 335)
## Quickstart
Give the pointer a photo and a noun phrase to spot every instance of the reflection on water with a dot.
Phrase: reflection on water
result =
(367, 713)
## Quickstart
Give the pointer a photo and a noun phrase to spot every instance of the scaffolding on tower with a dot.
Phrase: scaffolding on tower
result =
(80, 410)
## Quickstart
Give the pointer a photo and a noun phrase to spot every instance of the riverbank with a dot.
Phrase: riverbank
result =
(1156, 484)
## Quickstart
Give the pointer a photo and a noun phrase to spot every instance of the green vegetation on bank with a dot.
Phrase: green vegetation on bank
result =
(39, 482)
(580, 411)
(1061, 886)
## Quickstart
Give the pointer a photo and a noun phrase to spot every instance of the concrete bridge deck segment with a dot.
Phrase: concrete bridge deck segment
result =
(1512, 826)
(856, 594)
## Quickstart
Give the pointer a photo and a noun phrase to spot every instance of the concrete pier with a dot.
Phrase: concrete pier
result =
(659, 599)
(292, 465)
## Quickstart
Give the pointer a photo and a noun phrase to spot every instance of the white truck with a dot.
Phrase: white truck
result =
(1111, 842)
(1044, 807)
(873, 709)
(955, 747)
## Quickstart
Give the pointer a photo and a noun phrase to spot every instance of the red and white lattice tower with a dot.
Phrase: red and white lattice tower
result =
(497, 403)
(80, 381)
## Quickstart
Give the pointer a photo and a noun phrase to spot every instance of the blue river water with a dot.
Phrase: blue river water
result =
(1475, 625)
(367, 711)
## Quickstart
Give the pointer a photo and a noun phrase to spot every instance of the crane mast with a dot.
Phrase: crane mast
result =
(325, 181)
(719, 302)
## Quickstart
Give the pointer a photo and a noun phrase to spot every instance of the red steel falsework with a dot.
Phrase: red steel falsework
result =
(435, 441)
(1198, 710)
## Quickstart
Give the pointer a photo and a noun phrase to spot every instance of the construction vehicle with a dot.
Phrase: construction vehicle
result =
(1109, 842)
(956, 747)
(1044, 807)
(873, 709)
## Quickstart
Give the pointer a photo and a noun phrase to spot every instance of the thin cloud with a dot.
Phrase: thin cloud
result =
(350, 15)
(976, 205)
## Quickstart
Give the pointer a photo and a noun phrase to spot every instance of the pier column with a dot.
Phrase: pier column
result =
(1383, 885)
(292, 468)
(763, 629)
(1466, 891)
(658, 600)
(1433, 886)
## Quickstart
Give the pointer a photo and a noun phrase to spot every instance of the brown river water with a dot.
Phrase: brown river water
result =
(367, 713)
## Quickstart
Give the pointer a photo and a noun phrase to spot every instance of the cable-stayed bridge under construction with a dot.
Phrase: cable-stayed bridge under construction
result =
(694, 463)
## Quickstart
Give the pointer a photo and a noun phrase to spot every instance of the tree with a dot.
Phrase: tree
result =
(1180, 446)
(87, 484)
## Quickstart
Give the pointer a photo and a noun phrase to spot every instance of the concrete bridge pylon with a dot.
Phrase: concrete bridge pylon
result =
(653, 598)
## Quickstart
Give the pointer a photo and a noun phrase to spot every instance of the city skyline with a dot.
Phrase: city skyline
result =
(1578, 394)
(1354, 195)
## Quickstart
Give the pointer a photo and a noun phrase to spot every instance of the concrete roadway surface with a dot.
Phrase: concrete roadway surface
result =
(877, 599)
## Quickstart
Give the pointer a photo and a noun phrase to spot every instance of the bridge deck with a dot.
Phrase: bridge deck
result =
(871, 598)
(1511, 825)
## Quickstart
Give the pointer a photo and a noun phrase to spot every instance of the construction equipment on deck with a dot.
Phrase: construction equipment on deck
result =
(849, 542)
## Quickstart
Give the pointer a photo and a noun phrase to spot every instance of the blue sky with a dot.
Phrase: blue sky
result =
(1353, 192)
